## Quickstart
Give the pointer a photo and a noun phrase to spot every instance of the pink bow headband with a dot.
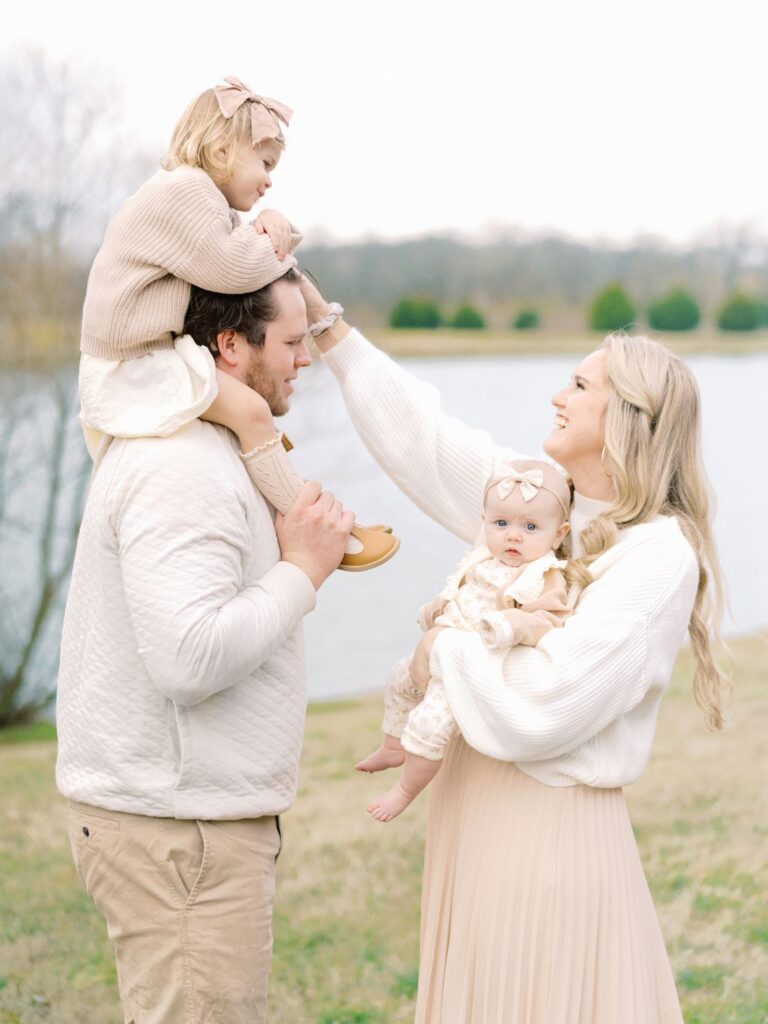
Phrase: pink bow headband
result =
(530, 483)
(265, 112)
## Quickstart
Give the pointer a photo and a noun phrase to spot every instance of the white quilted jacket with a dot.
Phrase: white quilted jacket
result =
(182, 686)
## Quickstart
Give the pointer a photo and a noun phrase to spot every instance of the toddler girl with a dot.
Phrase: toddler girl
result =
(139, 374)
(510, 589)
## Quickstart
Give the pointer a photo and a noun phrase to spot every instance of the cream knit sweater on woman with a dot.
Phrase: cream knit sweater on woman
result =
(581, 706)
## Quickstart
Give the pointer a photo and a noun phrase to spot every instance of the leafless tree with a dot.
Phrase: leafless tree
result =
(63, 167)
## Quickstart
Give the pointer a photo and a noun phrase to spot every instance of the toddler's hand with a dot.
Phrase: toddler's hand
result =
(274, 224)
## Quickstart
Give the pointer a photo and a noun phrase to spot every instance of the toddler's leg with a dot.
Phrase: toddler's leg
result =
(248, 416)
(400, 698)
(429, 728)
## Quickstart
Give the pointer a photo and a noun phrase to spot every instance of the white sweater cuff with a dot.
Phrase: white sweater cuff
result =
(294, 587)
(349, 353)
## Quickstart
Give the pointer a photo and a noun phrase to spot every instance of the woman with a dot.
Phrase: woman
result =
(535, 907)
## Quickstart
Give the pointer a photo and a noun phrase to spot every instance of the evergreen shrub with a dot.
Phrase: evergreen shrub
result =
(611, 309)
(739, 312)
(675, 311)
(526, 320)
(467, 318)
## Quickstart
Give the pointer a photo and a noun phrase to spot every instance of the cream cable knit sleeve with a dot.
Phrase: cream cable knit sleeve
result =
(438, 461)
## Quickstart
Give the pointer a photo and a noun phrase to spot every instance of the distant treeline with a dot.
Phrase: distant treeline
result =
(558, 275)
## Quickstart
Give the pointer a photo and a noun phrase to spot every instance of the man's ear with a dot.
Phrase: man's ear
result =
(227, 344)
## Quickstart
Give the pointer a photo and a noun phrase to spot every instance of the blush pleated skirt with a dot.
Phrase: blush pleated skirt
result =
(535, 907)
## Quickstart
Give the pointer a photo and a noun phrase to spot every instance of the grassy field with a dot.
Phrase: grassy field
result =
(347, 910)
(553, 342)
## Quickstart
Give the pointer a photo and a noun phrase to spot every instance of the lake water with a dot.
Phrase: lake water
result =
(365, 621)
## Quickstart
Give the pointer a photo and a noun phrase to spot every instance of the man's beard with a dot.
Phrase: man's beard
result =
(258, 378)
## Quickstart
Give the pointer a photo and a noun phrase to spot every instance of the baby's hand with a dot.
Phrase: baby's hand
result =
(429, 612)
(243, 410)
(274, 224)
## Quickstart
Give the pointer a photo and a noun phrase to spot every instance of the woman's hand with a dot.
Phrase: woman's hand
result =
(430, 611)
(274, 224)
(317, 307)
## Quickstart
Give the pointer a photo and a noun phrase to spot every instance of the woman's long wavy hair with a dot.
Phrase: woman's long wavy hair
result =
(653, 453)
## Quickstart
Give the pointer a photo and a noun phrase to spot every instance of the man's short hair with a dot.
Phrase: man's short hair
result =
(209, 313)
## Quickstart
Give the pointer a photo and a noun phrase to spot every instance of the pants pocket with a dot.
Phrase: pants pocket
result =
(92, 837)
(185, 855)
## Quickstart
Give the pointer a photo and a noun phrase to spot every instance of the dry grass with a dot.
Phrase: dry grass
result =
(553, 342)
(347, 913)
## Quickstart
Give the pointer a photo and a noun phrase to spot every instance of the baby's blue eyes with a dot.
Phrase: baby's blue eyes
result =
(530, 527)
(503, 524)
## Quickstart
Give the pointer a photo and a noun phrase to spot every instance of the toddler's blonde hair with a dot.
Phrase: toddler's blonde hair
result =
(202, 129)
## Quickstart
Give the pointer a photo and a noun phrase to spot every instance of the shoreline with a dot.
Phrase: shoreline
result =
(444, 343)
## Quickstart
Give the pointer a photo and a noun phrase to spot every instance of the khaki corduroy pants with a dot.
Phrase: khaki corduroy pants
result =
(188, 907)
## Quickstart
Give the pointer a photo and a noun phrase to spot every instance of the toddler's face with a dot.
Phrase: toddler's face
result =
(251, 175)
(518, 531)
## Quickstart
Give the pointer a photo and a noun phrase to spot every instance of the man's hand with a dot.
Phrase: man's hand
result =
(274, 224)
(419, 667)
(313, 533)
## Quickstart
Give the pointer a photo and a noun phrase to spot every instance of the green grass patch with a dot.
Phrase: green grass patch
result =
(452, 343)
(406, 984)
(351, 1017)
(331, 707)
(347, 910)
(693, 978)
(34, 732)
(759, 933)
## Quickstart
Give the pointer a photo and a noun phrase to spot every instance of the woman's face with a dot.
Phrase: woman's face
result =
(578, 435)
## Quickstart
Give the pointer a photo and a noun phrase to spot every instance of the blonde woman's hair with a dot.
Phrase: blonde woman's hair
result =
(202, 129)
(652, 451)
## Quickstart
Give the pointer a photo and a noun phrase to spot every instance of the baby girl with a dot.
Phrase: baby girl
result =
(510, 589)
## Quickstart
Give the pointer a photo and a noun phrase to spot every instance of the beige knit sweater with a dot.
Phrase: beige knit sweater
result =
(176, 231)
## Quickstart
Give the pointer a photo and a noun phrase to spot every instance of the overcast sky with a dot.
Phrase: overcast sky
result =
(597, 119)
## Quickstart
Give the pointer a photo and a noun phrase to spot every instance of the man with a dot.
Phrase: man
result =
(182, 685)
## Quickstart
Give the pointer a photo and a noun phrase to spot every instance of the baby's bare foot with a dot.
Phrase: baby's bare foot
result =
(381, 759)
(390, 805)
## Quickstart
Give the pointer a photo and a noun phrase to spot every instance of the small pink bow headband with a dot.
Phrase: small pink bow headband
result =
(265, 112)
(531, 482)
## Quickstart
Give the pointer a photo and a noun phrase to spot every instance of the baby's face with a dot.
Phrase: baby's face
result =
(518, 531)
